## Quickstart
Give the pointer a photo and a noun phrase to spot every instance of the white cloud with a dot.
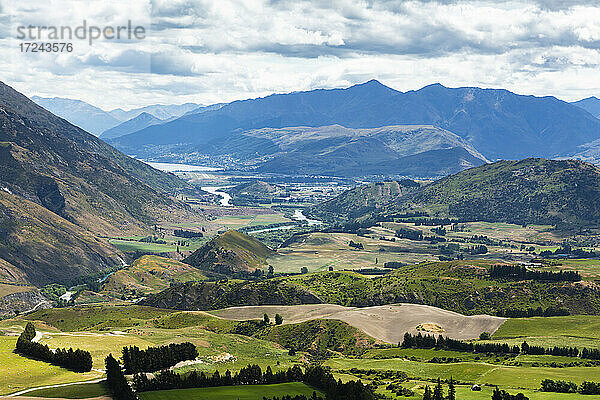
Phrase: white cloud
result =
(212, 51)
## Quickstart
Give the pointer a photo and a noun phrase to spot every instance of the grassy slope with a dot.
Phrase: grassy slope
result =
(530, 191)
(151, 274)
(359, 201)
(81, 391)
(251, 392)
(459, 286)
(230, 252)
(581, 326)
(19, 372)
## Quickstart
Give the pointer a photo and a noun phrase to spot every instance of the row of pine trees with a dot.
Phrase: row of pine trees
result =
(76, 360)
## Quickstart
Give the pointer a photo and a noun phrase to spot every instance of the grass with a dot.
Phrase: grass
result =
(6, 289)
(19, 373)
(579, 326)
(249, 392)
(80, 391)
(97, 317)
(150, 274)
(99, 345)
(472, 372)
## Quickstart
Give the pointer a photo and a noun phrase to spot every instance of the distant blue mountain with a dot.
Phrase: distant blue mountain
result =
(160, 111)
(84, 115)
(496, 122)
(135, 124)
(590, 104)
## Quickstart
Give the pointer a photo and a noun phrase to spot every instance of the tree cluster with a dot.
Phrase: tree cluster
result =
(533, 312)
(522, 273)
(187, 234)
(315, 376)
(116, 381)
(156, 358)
(504, 395)
(76, 360)
(411, 234)
(438, 391)
(356, 245)
(420, 341)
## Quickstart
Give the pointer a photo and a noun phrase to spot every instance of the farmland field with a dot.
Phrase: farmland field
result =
(80, 391)
(472, 372)
(249, 392)
(18, 372)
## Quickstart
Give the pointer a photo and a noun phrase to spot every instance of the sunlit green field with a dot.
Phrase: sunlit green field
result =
(472, 372)
(80, 391)
(577, 326)
(248, 392)
(18, 372)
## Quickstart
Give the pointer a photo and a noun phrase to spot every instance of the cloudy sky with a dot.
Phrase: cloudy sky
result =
(222, 50)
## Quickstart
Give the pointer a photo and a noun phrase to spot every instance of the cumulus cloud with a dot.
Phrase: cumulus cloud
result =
(213, 51)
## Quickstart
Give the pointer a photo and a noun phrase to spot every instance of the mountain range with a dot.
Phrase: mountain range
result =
(61, 187)
(496, 122)
(134, 124)
(95, 120)
(590, 104)
(79, 113)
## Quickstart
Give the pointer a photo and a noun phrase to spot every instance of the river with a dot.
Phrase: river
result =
(299, 216)
(225, 197)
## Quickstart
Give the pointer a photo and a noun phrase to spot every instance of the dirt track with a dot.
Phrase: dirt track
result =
(387, 323)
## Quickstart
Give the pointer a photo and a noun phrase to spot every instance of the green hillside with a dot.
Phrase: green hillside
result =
(530, 191)
(230, 253)
(215, 295)
(461, 286)
(563, 193)
(150, 274)
(362, 200)
(254, 191)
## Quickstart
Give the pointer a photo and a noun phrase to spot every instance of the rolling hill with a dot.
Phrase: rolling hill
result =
(563, 193)
(230, 253)
(62, 186)
(496, 122)
(200, 296)
(149, 274)
(362, 200)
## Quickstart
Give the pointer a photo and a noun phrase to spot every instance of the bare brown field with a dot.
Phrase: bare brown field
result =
(387, 323)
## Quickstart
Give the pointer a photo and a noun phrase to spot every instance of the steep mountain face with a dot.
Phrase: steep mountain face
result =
(48, 161)
(362, 200)
(531, 191)
(39, 247)
(79, 113)
(590, 104)
(133, 125)
(498, 123)
(230, 253)
(61, 186)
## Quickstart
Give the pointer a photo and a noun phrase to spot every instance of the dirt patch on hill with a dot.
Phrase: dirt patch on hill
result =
(387, 323)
